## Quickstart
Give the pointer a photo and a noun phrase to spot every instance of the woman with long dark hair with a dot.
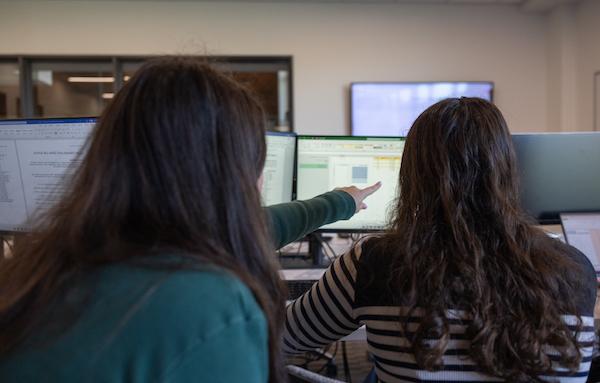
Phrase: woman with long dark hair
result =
(157, 264)
(463, 286)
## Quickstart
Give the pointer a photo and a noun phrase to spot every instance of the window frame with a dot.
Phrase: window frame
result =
(25, 66)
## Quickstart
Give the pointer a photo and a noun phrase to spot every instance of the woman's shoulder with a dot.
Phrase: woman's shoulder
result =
(191, 298)
(582, 276)
(373, 264)
(373, 253)
(148, 322)
(585, 265)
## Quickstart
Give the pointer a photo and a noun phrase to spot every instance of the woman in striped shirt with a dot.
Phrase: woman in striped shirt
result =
(463, 286)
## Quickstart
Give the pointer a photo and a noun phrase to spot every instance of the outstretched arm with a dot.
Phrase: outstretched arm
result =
(292, 221)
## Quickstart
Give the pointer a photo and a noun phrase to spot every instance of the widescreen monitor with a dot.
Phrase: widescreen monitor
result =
(559, 172)
(327, 162)
(37, 157)
(390, 108)
(278, 174)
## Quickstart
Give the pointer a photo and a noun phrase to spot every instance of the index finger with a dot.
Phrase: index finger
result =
(371, 189)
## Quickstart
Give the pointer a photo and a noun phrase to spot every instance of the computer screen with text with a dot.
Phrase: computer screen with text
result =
(327, 162)
(37, 158)
(278, 174)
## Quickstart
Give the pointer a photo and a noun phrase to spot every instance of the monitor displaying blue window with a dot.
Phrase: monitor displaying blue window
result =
(390, 108)
(37, 158)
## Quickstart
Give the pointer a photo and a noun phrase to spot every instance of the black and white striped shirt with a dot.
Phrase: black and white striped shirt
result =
(339, 303)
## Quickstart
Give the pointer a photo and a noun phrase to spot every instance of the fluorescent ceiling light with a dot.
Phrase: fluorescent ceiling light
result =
(91, 79)
(107, 96)
(43, 76)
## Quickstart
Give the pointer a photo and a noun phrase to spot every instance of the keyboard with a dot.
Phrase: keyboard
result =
(298, 287)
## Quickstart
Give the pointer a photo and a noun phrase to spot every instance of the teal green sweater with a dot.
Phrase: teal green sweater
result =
(151, 325)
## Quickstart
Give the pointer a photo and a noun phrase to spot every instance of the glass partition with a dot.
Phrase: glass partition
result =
(10, 98)
(65, 89)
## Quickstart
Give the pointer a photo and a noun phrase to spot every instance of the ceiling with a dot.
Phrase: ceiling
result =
(528, 5)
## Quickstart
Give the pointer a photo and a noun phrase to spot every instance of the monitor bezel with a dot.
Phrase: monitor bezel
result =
(352, 84)
(349, 138)
(93, 119)
(70, 119)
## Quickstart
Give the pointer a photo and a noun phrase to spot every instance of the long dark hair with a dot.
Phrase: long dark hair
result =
(461, 241)
(173, 164)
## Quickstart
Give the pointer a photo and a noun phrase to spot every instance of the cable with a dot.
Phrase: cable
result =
(315, 356)
(329, 365)
(326, 246)
(333, 254)
(300, 248)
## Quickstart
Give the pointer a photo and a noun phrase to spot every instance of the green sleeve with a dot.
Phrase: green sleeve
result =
(237, 352)
(292, 221)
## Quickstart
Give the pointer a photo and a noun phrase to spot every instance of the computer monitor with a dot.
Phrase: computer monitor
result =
(279, 168)
(390, 108)
(582, 231)
(327, 162)
(37, 157)
(559, 172)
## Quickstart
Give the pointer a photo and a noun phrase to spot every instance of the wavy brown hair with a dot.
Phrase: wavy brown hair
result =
(172, 167)
(461, 241)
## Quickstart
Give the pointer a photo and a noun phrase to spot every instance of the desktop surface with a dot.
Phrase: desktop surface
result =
(328, 162)
(279, 168)
(37, 158)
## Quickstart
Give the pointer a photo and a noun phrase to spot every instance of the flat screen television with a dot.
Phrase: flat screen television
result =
(390, 108)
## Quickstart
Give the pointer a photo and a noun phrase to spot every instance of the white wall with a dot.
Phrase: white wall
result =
(588, 22)
(332, 45)
(573, 59)
(562, 68)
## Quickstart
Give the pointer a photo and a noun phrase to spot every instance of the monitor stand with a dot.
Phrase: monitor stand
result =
(315, 249)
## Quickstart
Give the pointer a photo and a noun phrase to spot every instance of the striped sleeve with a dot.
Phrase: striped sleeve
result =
(325, 313)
